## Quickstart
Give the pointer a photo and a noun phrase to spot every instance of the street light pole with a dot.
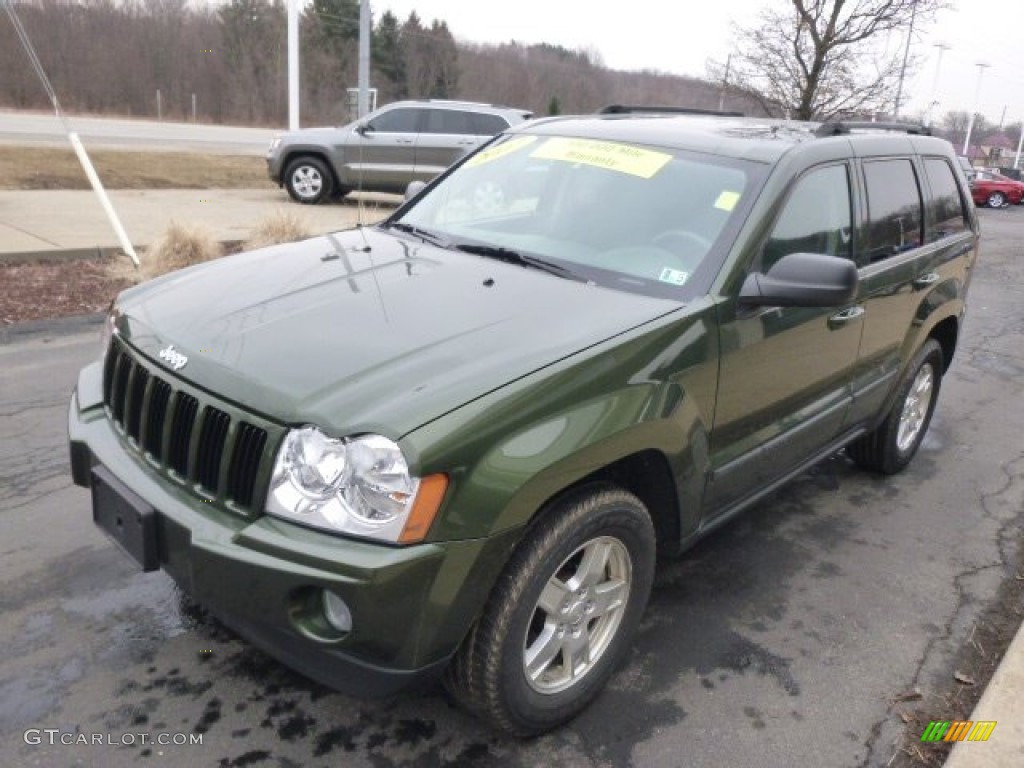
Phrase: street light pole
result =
(981, 65)
(943, 47)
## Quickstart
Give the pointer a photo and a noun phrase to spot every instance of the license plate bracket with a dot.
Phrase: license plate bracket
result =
(125, 517)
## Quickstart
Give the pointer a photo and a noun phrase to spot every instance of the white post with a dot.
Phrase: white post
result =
(974, 111)
(193, 107)
(364, 57)
(293, 65)
(1016, 160)
(101, 193)
(159, 106)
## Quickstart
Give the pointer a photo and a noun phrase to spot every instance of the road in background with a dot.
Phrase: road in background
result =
(785, 639)
(44, 129)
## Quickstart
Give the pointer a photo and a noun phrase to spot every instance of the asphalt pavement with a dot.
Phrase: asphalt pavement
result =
(67, 224)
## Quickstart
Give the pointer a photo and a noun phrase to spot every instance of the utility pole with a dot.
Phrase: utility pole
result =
(293, 65)
(981, 65)
(906, 55)
(725, 83)
(364, 58)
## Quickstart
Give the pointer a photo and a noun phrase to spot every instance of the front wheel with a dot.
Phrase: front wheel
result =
(308, 180)
(561, 615)
(890, 447)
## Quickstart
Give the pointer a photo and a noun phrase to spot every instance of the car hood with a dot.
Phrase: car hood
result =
(365, 331)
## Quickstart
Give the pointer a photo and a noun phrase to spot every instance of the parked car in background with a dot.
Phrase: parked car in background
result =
(995, 190)
(399, 143)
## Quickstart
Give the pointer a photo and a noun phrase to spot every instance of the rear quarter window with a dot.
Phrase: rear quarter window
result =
(946, 212)
(488, 125)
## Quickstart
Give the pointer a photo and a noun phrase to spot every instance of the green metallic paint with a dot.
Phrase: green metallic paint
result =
(367, 332)
(510, 452)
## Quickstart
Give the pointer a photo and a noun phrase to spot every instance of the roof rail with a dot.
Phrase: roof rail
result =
(629, 109)
(842, 127)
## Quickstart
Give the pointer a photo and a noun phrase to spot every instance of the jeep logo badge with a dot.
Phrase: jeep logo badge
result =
(173, 357)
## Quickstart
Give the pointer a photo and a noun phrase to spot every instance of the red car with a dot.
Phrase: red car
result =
(995, 190)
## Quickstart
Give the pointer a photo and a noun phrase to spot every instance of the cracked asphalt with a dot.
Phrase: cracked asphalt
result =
(785, 639)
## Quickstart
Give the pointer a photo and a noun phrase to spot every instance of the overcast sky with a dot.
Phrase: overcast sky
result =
(680, 37)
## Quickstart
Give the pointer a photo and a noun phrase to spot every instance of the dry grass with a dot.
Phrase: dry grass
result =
(24, 167)
(179, 246)
(281, 227)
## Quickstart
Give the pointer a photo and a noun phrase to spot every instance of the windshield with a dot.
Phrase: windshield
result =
(627, 216)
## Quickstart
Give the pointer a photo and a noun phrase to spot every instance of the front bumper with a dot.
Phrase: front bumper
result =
(410, 606)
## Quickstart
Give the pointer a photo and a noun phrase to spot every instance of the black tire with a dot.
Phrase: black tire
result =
(891, 446)
(592, 557)
(308, 180)
(996, 200)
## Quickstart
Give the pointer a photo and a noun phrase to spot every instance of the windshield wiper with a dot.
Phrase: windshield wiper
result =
(423, 234)
(515, 257)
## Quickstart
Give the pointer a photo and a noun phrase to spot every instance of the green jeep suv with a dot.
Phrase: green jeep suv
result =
(452, 444)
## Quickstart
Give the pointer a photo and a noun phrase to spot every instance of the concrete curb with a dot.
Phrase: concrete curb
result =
(58, 326)
(58, 255)
(1002, 703)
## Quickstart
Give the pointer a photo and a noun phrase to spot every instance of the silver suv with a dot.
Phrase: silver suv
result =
(402, 142)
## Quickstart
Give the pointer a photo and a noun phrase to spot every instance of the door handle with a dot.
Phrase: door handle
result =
(844, 318)
(925, 280)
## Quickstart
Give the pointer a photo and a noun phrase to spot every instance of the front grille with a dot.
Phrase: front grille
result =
(184, 432)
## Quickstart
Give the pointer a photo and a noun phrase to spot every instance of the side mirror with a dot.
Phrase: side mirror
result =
(363, 128)
(802, 280)
(414, 188)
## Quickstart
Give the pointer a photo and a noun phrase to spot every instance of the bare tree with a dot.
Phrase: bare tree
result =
(818, 59)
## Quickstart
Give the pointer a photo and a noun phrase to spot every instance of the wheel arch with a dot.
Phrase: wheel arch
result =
(946, 332)
(295, 153)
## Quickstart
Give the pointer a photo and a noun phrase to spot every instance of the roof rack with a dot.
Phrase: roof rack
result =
(842, 127)
(629, 109)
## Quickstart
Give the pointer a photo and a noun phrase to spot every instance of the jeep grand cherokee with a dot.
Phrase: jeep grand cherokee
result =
(452, 443)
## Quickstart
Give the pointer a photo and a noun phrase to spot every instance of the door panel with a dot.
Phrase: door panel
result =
(890, 251)
(785, 383)
(383, 158)
(447, 135)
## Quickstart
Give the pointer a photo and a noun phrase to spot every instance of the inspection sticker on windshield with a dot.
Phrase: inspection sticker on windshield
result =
(604, 154)
(674, 276)
(727, 200)
(507, 148)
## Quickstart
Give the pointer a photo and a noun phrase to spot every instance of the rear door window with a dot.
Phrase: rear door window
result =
(450, 121)
(894, 208)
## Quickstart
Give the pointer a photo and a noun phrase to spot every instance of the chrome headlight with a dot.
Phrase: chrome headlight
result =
(109, 329)
(359, 485)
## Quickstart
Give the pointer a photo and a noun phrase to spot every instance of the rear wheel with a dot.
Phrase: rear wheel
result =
(890, 447)
(308, 180)
(561, 615)
(996, 200)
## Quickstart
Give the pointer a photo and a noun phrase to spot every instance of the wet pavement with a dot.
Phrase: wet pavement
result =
(785, 639)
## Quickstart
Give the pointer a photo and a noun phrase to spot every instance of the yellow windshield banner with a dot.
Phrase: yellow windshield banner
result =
(506, 148)
(727, 200)
(604, 154)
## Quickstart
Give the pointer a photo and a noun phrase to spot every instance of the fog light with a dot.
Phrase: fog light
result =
(336, 612)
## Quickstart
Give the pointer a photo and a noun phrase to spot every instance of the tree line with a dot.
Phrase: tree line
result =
(229, 64)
